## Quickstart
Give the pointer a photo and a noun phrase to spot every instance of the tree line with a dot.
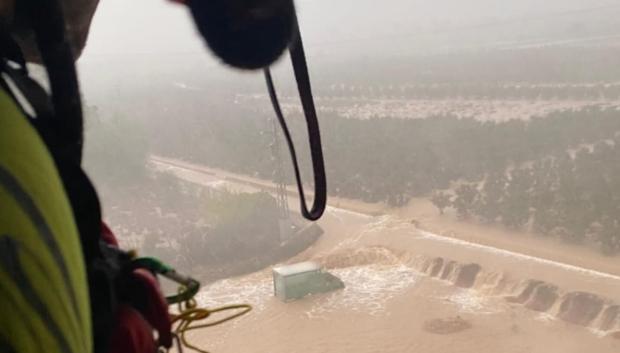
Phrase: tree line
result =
(386, 159)
(555, 174)
(489, 90)
(573, 195)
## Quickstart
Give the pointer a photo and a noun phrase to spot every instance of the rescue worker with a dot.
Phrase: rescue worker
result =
(50, 219)
(64, 285)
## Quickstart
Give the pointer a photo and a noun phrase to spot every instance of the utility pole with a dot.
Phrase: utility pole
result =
(279, 174)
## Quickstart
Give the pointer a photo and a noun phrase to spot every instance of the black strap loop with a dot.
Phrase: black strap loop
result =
(302, 77)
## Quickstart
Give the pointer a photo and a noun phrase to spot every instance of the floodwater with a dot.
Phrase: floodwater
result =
(413, 291)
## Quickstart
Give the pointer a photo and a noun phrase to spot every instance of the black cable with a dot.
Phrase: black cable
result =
(302, 77)
(47, 21)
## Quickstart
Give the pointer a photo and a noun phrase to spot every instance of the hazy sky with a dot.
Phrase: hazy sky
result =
(157, 26)
(139, 41)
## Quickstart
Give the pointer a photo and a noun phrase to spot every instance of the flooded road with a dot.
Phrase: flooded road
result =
(409, 290)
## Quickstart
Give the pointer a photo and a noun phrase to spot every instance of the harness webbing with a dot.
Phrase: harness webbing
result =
(43, 293)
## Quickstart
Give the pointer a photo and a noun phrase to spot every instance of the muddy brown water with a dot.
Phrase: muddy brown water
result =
(396, 289)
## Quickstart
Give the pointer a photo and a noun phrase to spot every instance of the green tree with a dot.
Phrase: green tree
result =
(441, 200)
(492, 197)
(466, 195)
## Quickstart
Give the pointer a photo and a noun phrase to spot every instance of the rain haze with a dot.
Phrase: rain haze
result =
(472, 153)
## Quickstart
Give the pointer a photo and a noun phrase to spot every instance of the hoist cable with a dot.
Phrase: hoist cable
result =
(302, 77)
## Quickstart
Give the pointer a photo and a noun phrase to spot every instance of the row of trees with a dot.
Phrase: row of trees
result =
(497, 91)
(391, 159)
(575, 196)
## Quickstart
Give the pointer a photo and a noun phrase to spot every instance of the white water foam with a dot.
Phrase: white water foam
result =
(255, 290)
(469, 301)
(367, 289)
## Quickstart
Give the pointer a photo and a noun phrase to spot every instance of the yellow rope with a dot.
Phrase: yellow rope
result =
(189, 313)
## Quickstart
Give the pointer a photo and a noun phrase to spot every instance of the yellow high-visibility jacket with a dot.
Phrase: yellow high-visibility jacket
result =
(44, 303)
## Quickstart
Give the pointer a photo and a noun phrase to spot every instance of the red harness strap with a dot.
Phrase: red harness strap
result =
(155, 306)
(133, 332)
